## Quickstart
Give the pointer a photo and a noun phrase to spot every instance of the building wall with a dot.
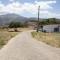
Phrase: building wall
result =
(59, 28)
(50, 28)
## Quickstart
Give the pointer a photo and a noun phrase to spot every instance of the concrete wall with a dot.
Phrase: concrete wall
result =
(59, 29)
(50, 28)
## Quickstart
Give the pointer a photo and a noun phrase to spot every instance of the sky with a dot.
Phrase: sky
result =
(29, 8)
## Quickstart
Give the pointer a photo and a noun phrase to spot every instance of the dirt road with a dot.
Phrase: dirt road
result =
(24, 47)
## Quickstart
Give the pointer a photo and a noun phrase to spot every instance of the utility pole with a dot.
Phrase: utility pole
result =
(38, 18)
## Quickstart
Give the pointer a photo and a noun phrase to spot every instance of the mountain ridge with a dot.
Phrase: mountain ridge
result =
(7, 18)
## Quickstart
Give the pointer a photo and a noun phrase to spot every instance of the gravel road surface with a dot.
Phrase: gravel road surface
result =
(24, 47)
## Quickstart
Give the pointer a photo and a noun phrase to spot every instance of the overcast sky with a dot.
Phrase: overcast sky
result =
(28, 8)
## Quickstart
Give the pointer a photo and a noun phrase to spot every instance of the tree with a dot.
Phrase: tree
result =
(52, 20)
(15, 25)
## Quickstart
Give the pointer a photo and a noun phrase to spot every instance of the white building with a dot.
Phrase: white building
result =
(51, 28)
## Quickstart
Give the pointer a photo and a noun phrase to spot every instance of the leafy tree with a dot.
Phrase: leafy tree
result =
(14, 25)
(52, 20)
(48, 21)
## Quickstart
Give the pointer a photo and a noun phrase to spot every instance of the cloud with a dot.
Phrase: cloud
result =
(11, 0)
(50, 15)
(19, 8)
(45, 4)
(53, 15)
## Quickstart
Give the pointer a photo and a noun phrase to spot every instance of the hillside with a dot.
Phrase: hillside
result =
(7, 18)
(4, 19)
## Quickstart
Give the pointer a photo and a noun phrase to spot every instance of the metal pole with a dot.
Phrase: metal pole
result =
(38, 18)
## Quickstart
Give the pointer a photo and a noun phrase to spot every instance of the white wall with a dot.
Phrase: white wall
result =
(50, 28)
(59, 28)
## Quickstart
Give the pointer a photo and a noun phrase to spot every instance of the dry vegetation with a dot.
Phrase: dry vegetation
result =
(49, 38)
(5, 36)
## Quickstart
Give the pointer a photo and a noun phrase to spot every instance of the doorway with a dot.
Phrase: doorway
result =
(56, 29)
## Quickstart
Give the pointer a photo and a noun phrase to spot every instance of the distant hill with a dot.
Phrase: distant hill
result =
(7, 18)
(4, 19)
(36, 19)
(43, 19)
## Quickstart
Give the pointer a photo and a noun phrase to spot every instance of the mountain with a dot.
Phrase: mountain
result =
(7, 18)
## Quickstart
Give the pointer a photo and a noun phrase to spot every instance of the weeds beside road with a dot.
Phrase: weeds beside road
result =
(49, 38)
(5, 36)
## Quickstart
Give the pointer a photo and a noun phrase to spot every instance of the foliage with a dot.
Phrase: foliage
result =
(14, 24)
(18, 24)
(49, 21)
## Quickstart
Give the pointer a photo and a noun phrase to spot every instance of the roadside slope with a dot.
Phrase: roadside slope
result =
(24, 47)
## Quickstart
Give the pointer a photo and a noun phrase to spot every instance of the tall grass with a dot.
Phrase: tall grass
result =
(5, 36)
(49, 38)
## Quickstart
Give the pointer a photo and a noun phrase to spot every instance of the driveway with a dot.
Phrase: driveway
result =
(24, 47)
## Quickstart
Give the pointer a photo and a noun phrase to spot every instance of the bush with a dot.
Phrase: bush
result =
(14, 24)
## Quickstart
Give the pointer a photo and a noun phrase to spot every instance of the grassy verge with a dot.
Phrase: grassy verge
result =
(5, 36)
(49, 38)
